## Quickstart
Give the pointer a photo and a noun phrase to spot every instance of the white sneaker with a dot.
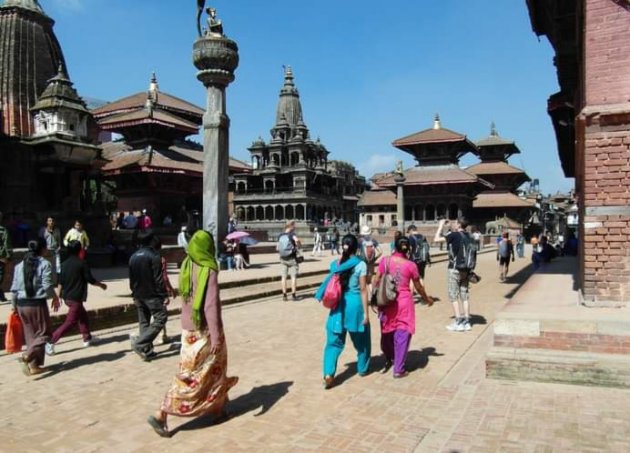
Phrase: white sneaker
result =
(90, 342)
(455, 326)
(466, 325)
(50, 349)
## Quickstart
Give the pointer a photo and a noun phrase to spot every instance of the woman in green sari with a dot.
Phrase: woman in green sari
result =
(201, 386)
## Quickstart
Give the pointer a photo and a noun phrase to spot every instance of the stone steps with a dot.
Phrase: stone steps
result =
(544, 335)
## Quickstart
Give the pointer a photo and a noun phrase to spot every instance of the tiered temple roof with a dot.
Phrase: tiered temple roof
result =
(494, 152)
(437, 151)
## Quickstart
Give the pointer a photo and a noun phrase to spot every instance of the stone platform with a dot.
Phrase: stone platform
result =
(543, 334)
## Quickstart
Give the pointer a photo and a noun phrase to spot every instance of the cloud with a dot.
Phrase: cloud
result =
(377, 163)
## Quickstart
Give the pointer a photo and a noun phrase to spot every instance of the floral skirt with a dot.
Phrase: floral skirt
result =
(201, 385)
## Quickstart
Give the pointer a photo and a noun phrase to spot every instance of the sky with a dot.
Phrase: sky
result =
(368, 72)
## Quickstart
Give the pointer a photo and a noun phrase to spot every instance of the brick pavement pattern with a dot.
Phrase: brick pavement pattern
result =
(97, 399)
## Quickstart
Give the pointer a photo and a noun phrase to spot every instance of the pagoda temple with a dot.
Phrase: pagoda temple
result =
(291, 176)
(502, 200)
(47, 135)
(155, 167)
(436, 187)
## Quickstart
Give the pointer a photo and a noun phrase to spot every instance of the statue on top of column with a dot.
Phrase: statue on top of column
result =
(215, 27)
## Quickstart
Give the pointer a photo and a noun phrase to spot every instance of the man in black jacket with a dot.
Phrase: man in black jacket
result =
(149, 295)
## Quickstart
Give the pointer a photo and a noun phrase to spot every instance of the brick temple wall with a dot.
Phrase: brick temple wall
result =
(603, 142)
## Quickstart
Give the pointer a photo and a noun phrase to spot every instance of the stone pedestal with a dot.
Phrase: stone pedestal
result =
(216, 57)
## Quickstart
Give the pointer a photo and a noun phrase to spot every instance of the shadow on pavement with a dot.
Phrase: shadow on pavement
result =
(519, 279)
(101, 341)
(263, 397)
(417, 360)
(72, 364)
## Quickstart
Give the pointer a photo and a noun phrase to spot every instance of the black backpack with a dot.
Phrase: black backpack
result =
(421, 252)
(466, 257)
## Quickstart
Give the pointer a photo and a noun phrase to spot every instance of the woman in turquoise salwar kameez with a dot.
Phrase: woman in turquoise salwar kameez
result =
(351, 314)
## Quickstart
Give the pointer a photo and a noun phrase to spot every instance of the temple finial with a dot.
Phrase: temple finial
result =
(493, 130)
(153, 84)
(436, 122)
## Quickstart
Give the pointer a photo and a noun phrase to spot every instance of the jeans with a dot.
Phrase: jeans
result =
(149, 330)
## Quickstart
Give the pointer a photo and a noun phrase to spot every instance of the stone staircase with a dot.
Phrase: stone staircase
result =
(545, 335)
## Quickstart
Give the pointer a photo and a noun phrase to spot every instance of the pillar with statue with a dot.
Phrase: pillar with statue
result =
(216, 58)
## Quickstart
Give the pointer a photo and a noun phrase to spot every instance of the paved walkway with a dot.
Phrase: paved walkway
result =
(97, 399)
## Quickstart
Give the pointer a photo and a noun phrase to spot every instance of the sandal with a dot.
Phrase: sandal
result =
(328, 382)
(24, 365)
(401, 375)
(158, 426)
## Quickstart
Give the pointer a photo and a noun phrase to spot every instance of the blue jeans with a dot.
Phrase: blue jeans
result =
(335, 343)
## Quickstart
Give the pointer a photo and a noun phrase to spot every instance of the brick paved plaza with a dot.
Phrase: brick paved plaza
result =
(97, 399)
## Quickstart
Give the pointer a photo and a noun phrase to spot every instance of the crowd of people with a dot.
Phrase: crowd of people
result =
(369, 284)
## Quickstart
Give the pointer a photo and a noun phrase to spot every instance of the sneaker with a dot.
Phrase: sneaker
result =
(145, 356)
(466, 325)
(91, 342)
(50, 349)
(455, 326)
(386, 366)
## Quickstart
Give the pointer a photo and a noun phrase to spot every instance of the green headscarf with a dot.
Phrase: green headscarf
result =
(201, 252)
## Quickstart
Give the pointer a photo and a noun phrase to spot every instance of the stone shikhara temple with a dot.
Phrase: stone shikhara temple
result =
(291, 176)
(47, 135)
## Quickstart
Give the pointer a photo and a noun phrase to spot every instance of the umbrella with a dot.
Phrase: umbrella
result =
(248, 240)
(236, 235)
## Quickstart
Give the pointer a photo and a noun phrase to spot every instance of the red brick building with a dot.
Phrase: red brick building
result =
(591, 117)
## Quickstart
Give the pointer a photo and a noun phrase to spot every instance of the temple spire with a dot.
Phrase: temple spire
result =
(493, 130)
(289, 110)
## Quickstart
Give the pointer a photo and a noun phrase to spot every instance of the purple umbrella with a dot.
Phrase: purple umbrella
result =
(236, 235)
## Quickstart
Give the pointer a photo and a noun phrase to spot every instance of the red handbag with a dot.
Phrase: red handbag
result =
(332, 293)
(14, 336)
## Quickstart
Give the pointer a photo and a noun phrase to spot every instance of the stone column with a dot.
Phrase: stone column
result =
(400, 201)
(216, 57)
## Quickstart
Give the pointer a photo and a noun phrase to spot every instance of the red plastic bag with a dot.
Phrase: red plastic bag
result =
(14, 336)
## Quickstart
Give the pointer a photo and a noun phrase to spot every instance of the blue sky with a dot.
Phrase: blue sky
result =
(368, 72)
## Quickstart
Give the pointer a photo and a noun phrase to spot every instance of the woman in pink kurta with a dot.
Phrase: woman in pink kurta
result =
(398, 319)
